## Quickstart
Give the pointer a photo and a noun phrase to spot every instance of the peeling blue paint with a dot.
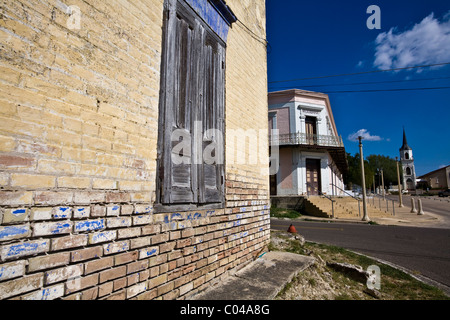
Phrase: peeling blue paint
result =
(176, 216)
(24, 248)
(60, 227)
(90, 225)
(211, 17)
(151, 252)
(13, 231)
(62, 212)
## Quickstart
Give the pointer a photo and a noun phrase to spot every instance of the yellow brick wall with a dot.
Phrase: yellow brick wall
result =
(80, 103)
(78, 147)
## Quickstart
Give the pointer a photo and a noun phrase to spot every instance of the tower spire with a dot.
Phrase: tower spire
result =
(405, 142)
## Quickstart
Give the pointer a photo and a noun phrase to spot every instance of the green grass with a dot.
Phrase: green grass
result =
(284, 213)
(395, 284)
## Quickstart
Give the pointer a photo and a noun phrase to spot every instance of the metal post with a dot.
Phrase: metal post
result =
(399, 186)
(393, 208)
(363, 179)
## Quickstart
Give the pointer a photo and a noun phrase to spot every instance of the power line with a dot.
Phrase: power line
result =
(363, 83)
(365, 72)
(377, 90)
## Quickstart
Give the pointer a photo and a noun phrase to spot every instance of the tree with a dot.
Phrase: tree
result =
(354, 171)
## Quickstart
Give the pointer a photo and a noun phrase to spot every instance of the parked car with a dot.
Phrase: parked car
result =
(444, 193)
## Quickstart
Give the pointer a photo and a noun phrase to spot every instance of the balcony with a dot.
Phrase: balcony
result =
(316, 140)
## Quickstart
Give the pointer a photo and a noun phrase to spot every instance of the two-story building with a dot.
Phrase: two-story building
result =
(312, 158)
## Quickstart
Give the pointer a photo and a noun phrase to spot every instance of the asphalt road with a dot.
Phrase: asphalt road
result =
(424, 251)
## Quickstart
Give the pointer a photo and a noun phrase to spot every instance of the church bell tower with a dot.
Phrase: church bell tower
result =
(407, 160)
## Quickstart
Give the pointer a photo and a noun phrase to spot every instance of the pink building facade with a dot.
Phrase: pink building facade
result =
(312, 156)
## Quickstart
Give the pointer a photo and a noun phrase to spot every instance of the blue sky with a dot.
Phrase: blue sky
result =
(320, 38)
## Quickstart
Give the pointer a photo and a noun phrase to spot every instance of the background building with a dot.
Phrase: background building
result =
(437, 179)
(312, 154)
(89, 97)
(407, 160)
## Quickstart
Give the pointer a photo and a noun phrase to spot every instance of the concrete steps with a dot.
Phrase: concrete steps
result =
(345, 207)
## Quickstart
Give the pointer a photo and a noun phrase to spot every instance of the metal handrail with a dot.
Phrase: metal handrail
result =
(358, 199)
(345, 192)
(320, 193)
(306, 139)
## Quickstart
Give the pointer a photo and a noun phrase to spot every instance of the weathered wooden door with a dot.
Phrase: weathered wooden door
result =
(313, 178)
(311, 130)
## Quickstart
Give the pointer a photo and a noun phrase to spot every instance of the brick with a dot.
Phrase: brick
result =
(98, 211)
(142, 209)
(136, 289)
(86, 198)
(62, 213)
(21, 285)
(74, 183)
(62, 274)
(116, 247)
(151, 229)
(113, 211)
(125, 258)
(129, 233)
(155, 282)
(118, 197)
(14, 232)
(38, 214)
(52, 228)
(97, 265)
(86, 254)
(52, 198)
(89, 225)
(140, 242)
(48, 261)
(104, 236)
(14, 162)
(19, 250)
(159, 238)
(142, 220)
(81, 283)
(15, 215)
(113, 274)
(69, 242)
(50, 293)
(81, 212)
(127, 210)
(16, 198)
(105, 289)
(119, 222)
(12, 270)
(148, 252)
(104, 184)
(32, 181)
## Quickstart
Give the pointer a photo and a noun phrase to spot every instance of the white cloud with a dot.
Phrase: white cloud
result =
(427, 42)
(365, 134)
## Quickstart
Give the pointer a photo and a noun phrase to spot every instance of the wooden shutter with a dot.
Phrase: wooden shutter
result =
(192, 93)
(212, 116)
(177, 181)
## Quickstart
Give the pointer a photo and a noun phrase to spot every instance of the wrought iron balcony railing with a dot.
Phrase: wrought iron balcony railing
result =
(306, 139)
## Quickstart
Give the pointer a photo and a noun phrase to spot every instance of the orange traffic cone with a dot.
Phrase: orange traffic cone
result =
(292, 229)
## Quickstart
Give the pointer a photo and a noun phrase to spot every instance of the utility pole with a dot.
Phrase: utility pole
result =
(382, 181)
(363, 179)
(399, 185)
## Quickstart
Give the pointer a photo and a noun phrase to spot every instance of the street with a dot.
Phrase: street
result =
(422, 251)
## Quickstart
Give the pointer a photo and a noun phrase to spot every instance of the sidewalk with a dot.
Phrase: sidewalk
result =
(262, 279)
